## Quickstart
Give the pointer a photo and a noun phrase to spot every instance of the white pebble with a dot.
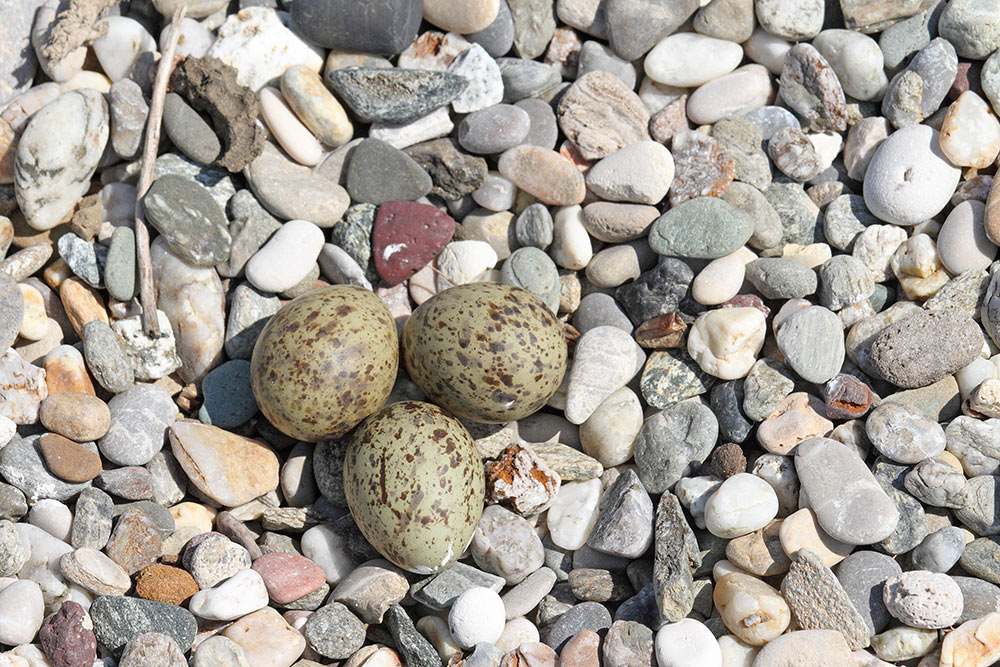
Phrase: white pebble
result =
(742, 504)
(322, 545)
(687, 643)
(721, 278)
(962, 243)
(909, 179)
(241, 594)
(477, 615)
(286, 259)
(571, 247)
(970, 133)
(464, 262)
(573, 513)
(689, 59)
(21, 609)
(294, 137)
(118, 49)
(53, 517)
(725, 342)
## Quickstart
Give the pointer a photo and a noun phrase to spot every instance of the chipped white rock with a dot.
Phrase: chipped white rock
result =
(462, 262)
(687, 59)
(970, 133)
(21, 611)
(123, 41)
(742, 504)
(725, 341)
(485, 82)
(152, 358)
(58, 154)
(609, 433)
(259, 44)
(237, 596)
(436, 124)
(918, 267)
(875, 247)
(322, 545)
(640, 173)
(573, 514)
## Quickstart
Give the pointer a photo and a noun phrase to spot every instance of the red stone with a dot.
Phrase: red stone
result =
(65, 638)
(288, 577)
(406, 237)
(747, 301)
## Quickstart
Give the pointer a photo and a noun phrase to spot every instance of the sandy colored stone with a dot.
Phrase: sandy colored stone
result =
(267, 639)
(752, 610)
(226, 467)
(66, 370)
(798, 418)
(975, 643)
(800, 530)
(600, 114)
(760, 552)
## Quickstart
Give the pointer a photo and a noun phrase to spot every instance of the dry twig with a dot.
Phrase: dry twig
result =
(147, 295)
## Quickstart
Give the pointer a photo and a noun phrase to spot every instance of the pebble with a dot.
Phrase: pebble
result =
(140, 417)
(600, 115)
(922, 599)
(823, 466)
(273, 178)
(908, 176)
(686, 640)
(681, 59)
(742, 504)
(271, 269)
(903, 435)
(725, 342)
(808, 332)
(700, 228)
(963, 244)
(917, 91)
(914, 334)
(544, 174)
(807, 646)
(811, 87)
(743, 90)
(50, 177)
(615, 177)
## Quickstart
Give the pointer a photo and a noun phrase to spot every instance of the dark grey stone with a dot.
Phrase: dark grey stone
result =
(453, 173)
(676, 556)
(22, 464)
(635, 26)
(228, 399)
(105, 358)
(395, 96)
(439, 591)
(980, 598)
(191, 134)
(781, 278)
(940, 550)
(379, 172)
(584, 616)
(726, 399)
(190, 220)
(92, 519)
(494, 129)
(379, 26)
(663, 289)
(911, 528)
(85, 259)
(862, 575)
(624, 524)
(416, 651)
(673, 443)
(498, 37)
(526, 78)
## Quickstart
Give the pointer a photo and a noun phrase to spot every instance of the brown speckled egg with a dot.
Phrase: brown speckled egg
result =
(414, 484)
(485, 352)
(324, 362)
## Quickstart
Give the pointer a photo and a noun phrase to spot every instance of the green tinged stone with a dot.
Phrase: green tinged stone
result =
(700, 228)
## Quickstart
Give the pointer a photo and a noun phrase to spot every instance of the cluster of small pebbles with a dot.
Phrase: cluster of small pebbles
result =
(500, 333)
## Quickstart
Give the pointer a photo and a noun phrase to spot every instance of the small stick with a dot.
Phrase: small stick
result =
(147, 295)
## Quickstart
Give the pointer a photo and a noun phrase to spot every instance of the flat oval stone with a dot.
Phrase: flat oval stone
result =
(189, 131)
(849, 503)
(856, 60)
(67, 459)
(494, 129)
(687, 59)
(57, 155)
(962, 242)
(187, 216)
(943, 341)
(700, 228)
(545, 174)
(298, 142)
(293, 191)
(742, 90)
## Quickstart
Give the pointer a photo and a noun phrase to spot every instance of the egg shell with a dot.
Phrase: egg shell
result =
(415, 485)
(324, 362)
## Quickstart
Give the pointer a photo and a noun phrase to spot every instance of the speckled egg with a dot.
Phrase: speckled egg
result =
(485, 352)
(414, 484)
(324, 362)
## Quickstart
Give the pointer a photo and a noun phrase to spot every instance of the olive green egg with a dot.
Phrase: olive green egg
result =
(485, 352)
(324, 362)
(414, 483)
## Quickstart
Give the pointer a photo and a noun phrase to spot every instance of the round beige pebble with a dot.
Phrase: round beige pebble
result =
(721, 278)
(609, 432)
(34, 322)
(294, 137)
(544, 174)
(74, 415)
(461, 16)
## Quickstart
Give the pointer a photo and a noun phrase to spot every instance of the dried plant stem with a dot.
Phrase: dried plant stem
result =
(147, 295)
